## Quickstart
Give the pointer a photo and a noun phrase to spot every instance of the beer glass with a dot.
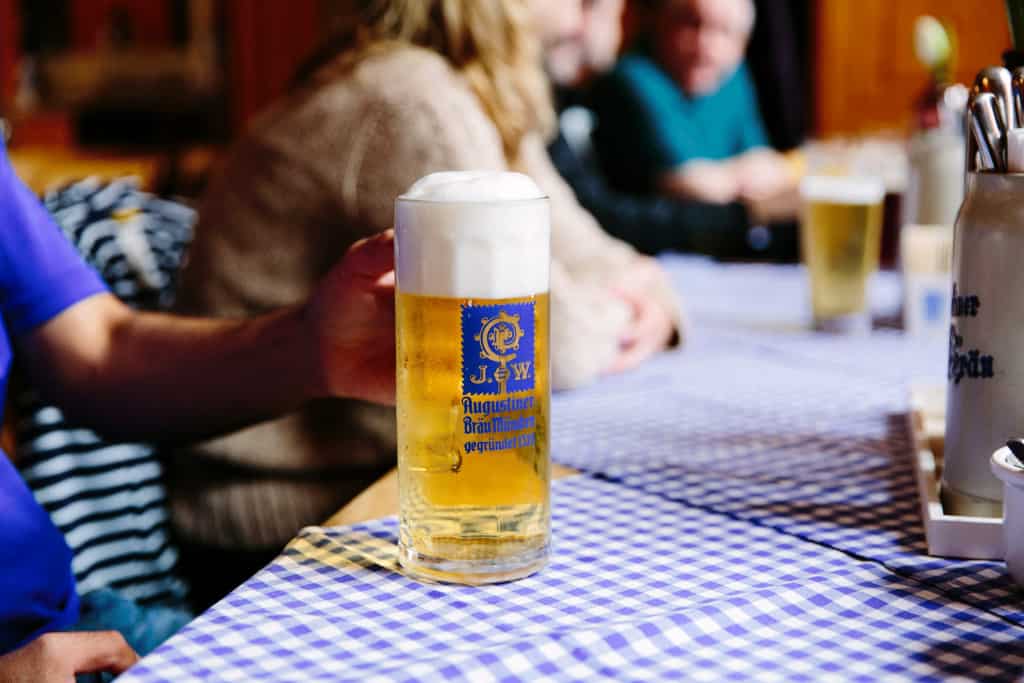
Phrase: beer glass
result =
(473, 394)
(840, 231)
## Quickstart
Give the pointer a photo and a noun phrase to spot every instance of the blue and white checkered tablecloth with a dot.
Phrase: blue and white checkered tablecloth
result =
(749, 513)
(800, 432)
(639, 588)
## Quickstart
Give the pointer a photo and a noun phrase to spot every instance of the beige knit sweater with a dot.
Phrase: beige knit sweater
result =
(316, 173)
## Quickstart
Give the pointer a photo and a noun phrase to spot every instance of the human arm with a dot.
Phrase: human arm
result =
(653, 224)
(653, 326)
(762, 180)
(445, 128)
(702, 180)
(171, 378)
(606, 328)
(58, 657)
(214, 375)
(748, 170)
(605, 280)
(643, 136)
(763, 176)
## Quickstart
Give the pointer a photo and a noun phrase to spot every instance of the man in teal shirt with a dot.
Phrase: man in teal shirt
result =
(679, 116)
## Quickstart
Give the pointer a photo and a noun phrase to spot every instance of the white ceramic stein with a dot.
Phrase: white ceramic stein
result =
(985, 398)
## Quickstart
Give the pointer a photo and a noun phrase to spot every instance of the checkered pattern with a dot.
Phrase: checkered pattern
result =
(802, 433)
(639, 588)
(750, 515)
(763, 297)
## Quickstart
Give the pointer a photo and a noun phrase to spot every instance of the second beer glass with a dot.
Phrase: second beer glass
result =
(473, 394)
(840, 238)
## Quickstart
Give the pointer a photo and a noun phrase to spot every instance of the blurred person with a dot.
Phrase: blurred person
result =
(403, 88)
(147, 374)
(679, 115)
(652, 224)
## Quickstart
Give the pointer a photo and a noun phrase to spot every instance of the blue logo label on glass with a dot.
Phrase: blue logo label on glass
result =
(497, 348)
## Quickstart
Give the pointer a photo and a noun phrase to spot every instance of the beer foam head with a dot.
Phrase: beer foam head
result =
(473, 234)
(474, 186)
(843, 189)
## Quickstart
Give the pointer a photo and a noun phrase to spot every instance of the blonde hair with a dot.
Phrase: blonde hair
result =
(490, 42)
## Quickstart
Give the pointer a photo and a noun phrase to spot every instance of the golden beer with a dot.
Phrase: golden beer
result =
(458, 502)
(840, 238)
(473, 393)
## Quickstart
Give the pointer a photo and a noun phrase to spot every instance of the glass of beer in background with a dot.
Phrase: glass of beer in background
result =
(473, 395)
(840, 232)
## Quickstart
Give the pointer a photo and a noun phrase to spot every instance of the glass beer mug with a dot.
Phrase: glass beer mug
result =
(473, 394)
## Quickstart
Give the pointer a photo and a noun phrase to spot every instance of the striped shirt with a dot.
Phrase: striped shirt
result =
(108, 498)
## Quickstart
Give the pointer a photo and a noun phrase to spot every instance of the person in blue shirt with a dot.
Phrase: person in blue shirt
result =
(679, 116)
(141, 374)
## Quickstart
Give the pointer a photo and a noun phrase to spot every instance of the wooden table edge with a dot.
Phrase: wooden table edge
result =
(381, 499)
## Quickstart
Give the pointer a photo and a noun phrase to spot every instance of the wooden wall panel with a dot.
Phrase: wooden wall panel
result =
(866, 77)
(8, 51)
(151, 20)
(267, 41)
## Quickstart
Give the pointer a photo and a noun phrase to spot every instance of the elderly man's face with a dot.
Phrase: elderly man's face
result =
(700, 42)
